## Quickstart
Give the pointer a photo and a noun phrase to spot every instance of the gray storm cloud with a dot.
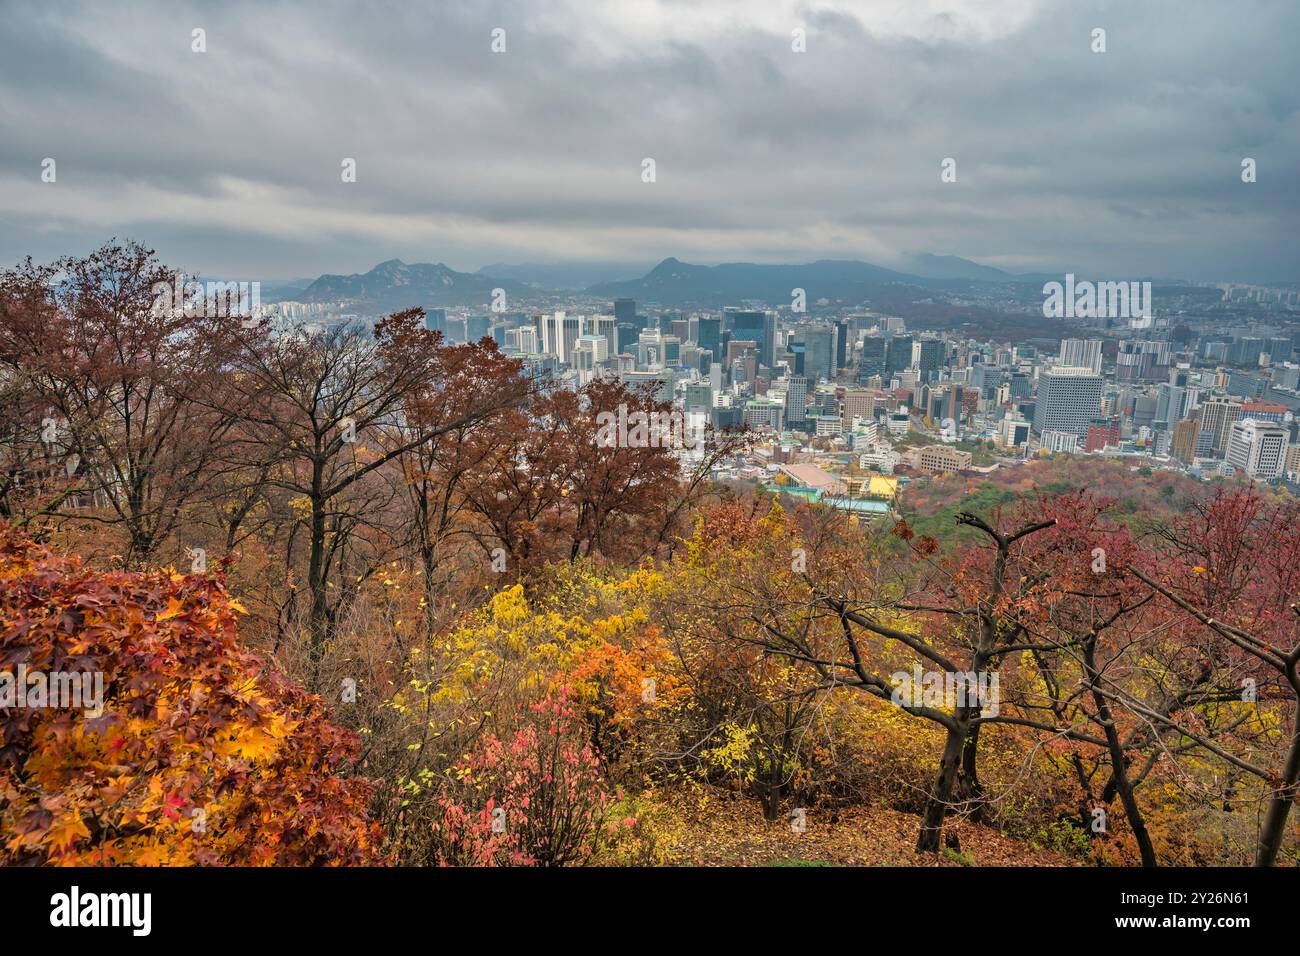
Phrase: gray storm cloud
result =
(228, 161)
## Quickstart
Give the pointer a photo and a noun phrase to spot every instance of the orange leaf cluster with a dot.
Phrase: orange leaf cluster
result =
(199, 756)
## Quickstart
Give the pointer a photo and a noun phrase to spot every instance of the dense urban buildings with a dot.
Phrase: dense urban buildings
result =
(1211, 388)
(851, 390)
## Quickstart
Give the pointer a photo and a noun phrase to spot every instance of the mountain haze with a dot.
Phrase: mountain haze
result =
(395, 285)
(674, 282)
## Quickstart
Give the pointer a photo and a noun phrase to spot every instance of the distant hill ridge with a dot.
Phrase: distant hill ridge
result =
(395, 284)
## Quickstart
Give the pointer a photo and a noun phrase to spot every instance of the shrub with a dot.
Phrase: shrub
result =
(200, 755)
(536, 799)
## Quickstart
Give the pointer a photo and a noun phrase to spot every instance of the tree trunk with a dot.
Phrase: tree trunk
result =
(1118, 765)
(139, 550)
(428, 565)
(772, 791)
(969, 791)
(319, 618)
(929, 839)
(1274, 829)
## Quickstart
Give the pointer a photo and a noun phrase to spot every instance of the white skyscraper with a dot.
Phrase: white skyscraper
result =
(527, 337)
(1081, 353)
(1258, 448)
(559, 334)
(1069, 397)
(604, 325)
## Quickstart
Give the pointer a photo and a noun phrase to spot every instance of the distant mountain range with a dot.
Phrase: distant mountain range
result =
(564, 275)
(955, 267)
(675, 283)
(394, 284)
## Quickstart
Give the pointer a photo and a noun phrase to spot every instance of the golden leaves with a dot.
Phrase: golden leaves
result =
(66, 830)
(175, 608)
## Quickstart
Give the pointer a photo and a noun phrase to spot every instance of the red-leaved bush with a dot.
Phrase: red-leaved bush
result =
(536, 799)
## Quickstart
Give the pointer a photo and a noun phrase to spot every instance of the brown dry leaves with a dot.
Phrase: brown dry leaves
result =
(723, 829)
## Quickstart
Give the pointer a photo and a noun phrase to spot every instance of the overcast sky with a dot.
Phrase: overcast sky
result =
(228, 162)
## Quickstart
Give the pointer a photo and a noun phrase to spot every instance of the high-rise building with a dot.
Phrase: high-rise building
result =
(945, 404)
(898, 355)
(1246, 351)
(1279, 349)
(596, 345)
(1102, 432)
(1059, 441)
(762, 414)
(841, 345)
(1258, 448)
(660, 382)
(758, 327)
(626, 334)
(1069, 397)
(1020, 386)
(606, 327)
(858, 403)
(1013, 432)
(698, 395)
(566, 328)
(927, 358)
(435, 320)
(694, 357)
(650, 348)
(672, 346)
(589, 353)
(709, 335)
(1292, 462)
(1217, 418)
(477, 327)
(1144, 410)
(818, 343)
(985, 379)
(625, 311)
(796, 400)
(871, 361)
(1137, 361)
(1170, 402)
(545, 333)
(1082, 353)
(1183, 444)
(526, 336)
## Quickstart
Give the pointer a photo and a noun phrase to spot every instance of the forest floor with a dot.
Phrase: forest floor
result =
(721, 831)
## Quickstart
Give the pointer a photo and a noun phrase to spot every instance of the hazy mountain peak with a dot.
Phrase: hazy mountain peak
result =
(393, 285)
